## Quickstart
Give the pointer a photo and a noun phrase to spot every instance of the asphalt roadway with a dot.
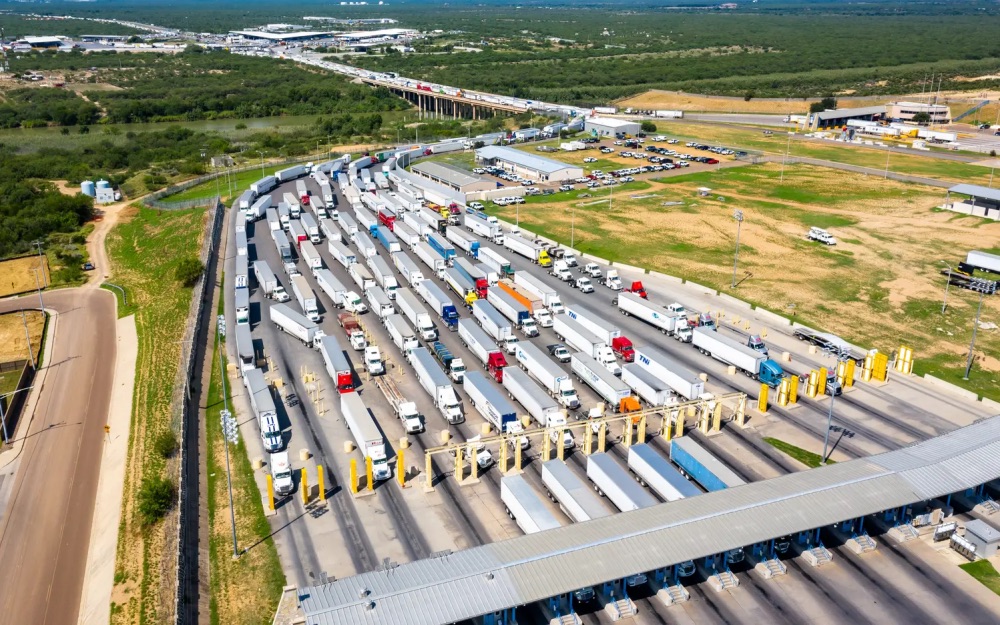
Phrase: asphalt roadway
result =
(45, 529)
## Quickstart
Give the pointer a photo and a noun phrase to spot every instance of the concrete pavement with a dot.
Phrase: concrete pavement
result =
(45, 530)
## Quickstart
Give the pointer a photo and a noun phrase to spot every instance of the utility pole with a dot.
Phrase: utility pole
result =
(41, 262)
(261, 163)
(27, 338)
(833, 386)
(788, 146)
(230, 430)
(738, 216)
(985, 287)
(944, 304)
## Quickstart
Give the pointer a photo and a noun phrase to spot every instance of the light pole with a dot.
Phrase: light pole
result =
(27, 338)
(738, 216)
(229, 431)
(944, 304)
(888, 153)
(41, 265)
(833, 386)
(572, 226)
(788, 146)
(3, 417)
(261, 162)
(985, 287)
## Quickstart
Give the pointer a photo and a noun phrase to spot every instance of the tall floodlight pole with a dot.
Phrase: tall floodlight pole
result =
(230, 431)
(985, 287)
(738, 216)
(834, 385)
(788, 146)
(261, 163)
(944, 304)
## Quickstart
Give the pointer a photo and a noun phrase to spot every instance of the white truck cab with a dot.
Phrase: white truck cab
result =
(592, 270)
(354, 304)
(612, 281)
(373, 360)
(281, 474)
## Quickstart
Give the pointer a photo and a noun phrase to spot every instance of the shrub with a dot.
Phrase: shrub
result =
(165, 444)
(648, 126)
(156, 496)
(188, 271)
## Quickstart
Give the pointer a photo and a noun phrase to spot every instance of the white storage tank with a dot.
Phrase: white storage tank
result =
(87, 188)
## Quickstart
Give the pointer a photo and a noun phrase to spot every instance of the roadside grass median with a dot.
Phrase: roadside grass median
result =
(245, 590)
(144, 251)
(807, 458)
(238, 182)
(983, 571)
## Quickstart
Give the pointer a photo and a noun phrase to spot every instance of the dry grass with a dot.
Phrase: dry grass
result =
(12, 340)
(673, 100)
(19, 275)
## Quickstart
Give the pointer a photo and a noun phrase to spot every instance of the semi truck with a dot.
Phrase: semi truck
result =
(497, 261)
(305, 297)
(361, 276)
(648, 387)
(343, 255)
(538, 288)
(242, 273)
(291, 322)
(407, 268)
(495, 324)
(366, 247)
(532, 251)
(242, 306)
(577, 336)
(525, 507)
(596, 324)
(406, 235)
(258, 209)
(432, 259)
(492, 276)
(373, 360)
(418, 224)
(268, 282)
(534, 305)
(367, 222)
(387, 218)
(281, 474)
(308, 253)
(330, 230)
(656, 472)
(294, 208)
(513, 310)
(414, 311)
(369, 438)
(439, 302)
(679, 378)
(264, 185)
(436, 384)
(291, 173)
(482, 347)
(574, 497)
(296, 232)
(352, 330)
(610, 388)
(406, 411)
(551, 376)
(348, 225)
(490, 231)
(244, 348)
(336, 363)
(473, 275)
(262, 403)
(441, 245)
(701, 466)
(668, 322)
(454, 367)
(489, 401)
(402, 335)
(730, 351)
(384, 235)
(333, 287)
(612, 481)
(612, 281)
(383, 275)
(311, 227)
(284, 215)
(463, 241)
(538, 404)
(379, 302)
(273, 221)
(465, 289)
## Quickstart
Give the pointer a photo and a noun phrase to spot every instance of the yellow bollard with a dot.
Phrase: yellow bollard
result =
(305, 487)
(880, 367)
(459, 464)
(821, 382)
(321, 482)
(474, 466)
(354, 474)
(679, 425)
(428, 477)
(400, 468)
(627, 433)
(588, 440)
(813, 383)
(560, 448)
(841, 373)
(270, 493)
(546, 447)
(849, 373)
(504, 446)
(717, 417)
(602, 435)
(793, 389)
(783, 392)
(369, 473)
(641, 435)
(762, 400)
(517, 458)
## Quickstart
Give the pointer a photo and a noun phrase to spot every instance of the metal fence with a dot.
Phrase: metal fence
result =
(184, 414)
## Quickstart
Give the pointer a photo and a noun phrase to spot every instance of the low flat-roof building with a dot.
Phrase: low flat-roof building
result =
(904, 112)
(839, 117)
(974, 200)
(984, 536)
(452, 177)
(260, 35)
(527, 165)
(610, 127)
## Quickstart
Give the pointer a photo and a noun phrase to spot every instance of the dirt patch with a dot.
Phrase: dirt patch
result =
(674, 100)
(12, 338)
(19, 274)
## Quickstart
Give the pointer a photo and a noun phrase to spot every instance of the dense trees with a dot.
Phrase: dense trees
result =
(44, 106)
(31, 209)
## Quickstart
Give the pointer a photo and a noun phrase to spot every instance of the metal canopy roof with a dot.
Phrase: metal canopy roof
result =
(975, 190)
(845, 113)
(531, 568)
(448, 173)
(518, 157)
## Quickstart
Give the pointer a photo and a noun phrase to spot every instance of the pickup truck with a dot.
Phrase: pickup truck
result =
(559, 352)
(353, 331)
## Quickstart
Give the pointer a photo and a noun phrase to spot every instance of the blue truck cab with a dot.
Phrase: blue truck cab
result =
(771, 373)
(449, 314)
(442, 247)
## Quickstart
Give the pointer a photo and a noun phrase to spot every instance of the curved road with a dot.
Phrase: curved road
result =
(45, 529)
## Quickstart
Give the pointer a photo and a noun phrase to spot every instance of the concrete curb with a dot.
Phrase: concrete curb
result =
(28, 411)
(628, 267)
(770, 317)
(657, 274)
(729, 299)
(992, 404)
(950, 388)
(701, 287)
(597, 259)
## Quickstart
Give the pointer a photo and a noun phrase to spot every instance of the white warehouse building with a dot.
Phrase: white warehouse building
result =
(609, 127)
(527, 165)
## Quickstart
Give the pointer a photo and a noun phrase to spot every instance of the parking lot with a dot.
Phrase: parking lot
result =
(355, 534)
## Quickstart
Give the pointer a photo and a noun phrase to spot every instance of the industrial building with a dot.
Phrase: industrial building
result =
(974, 200)
(527, 165)
(983, 536)
(839, 117)
(894, 111)
(259, 35)
(904, 112)
(608, 127)
(452, 177)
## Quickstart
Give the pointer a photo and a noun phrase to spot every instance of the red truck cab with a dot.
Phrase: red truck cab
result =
(386, 218)
(622, 346)
(495, 362)
(638, 289)
(304, 200)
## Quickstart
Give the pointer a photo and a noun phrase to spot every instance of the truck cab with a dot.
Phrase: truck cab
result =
(475, 449)
(413, 421)
(543, 317)
(638, 289)
(544, 259)
(510, 344)
(592, 270)
(456, 370)
(567, 396)
(612, 281)
(683, 332)
(516, 430)
(373, 361)
(757, 344)
(353, 303)
(281, 473)
(561, 270)
(495, 362)
(677, 309)
(556, 307)
(623, 347)
(559, 352)
(570, 259)
(771, 373)
(529, 327)
(279, 294)
(584, 285)
(358, 341)
(607, 358)
(705, 321)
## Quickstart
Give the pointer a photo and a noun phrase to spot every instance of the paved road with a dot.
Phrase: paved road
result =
(45, 530)
(742, 118)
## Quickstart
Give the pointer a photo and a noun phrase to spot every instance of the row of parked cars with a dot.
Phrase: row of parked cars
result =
(504, 175)
(709, 148)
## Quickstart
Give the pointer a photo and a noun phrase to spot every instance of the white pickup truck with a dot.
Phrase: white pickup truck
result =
(818, 234)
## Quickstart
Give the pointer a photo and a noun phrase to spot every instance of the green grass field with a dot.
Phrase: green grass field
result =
(239, 183)
(145, 250)
(807, 458)
(984, 571)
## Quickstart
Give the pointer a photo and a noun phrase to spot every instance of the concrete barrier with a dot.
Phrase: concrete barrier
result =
(701, 287)
(729, 299)
(950, 388)
(597, 259)
(657, 274)
(798, 325)
(992, 404)
(769, 317)
(625, 267)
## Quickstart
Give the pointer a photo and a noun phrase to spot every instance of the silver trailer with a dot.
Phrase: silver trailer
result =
(291, 173)
(437, 385)
(366, 247)
(402, 335)
(542, 368)
(656, 472)
(614, 482)
(597, 377)
(410, 306)
(244, 348)
(383, 275)
(407, 268)
(574, 497)
(524, 506)
(262, 403)
(379, 302)
(242, 297)
(648, 387)
(369, 438)
(593, 322)
(291, 322)
(334, 288)
(677, 377)
(341, 252)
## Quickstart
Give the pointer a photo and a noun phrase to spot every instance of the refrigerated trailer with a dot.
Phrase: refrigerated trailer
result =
(666, 321)
(244, 348)
(611, 389)
(679, 378)
(437, 385)
(613, 481)
(732, 352)
(291, 322)
(262, 403)
(532, 251)
(656, 472)
(338, 367)
(333, 287)
(704, 468)
(524, 506)
(574, 497)
(489, 401)
(483, 347)
(551, 376)
(366, 433)
(418, 315)
(651, 390)
(537, 403)
(431, 258)
(411, 273)
(513, 310)
(538, 287)
(439, 302)
(594, 323)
